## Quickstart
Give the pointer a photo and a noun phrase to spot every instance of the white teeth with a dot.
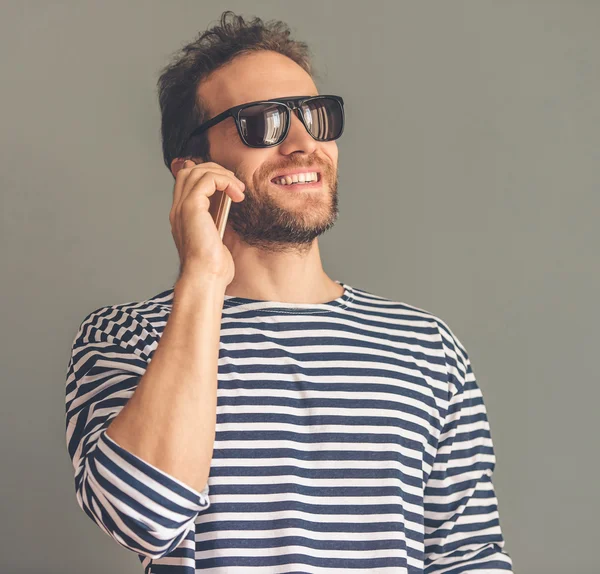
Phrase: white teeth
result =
(297, 178)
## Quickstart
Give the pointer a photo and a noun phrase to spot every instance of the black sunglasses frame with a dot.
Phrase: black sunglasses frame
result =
(290, 104)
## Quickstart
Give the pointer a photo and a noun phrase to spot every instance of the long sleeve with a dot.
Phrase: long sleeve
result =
(141, 507)
(462, 525)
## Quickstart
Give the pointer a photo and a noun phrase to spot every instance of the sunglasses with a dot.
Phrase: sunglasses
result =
(266, 123)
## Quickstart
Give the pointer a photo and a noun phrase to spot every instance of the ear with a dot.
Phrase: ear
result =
(178, 162)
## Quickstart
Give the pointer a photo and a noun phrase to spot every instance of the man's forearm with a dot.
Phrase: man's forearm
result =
(170, 419)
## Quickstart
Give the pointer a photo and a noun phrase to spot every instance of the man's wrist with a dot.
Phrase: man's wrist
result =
(190, 281)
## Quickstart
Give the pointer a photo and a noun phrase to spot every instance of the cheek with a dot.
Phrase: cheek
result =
(250, 172)
(333, 151)
(330, 151)
(256, 166)
(233, 155)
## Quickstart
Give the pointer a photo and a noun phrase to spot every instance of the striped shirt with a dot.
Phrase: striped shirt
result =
(350, 434)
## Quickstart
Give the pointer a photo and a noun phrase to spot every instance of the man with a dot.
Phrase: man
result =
(260, 416)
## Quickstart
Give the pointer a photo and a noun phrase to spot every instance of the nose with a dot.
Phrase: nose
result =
(298, 138)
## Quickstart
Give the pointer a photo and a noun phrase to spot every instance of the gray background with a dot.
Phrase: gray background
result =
(469, 186)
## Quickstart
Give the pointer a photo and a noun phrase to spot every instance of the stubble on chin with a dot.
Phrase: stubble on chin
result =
(269, 221)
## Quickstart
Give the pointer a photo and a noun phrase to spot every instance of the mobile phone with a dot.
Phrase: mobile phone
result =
(220, 203)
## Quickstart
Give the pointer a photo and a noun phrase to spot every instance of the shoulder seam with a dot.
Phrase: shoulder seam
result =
(459, 384)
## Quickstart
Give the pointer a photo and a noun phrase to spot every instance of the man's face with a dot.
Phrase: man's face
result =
(272, 217)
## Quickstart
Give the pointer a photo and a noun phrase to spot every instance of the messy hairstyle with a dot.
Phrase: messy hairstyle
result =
(181, 109)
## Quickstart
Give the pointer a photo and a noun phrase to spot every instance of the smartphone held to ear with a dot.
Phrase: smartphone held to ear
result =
(220, 203)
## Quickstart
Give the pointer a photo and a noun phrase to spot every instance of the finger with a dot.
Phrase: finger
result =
(196, 172)
(218, 166)
(187, 177)
(180, 178)
(210, 166)
(199, 195)
(204, 185)
(208, 183)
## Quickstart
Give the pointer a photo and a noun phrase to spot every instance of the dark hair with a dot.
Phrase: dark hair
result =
(181, 109)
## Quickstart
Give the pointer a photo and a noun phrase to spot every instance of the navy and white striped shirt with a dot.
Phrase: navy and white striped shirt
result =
(350, 434)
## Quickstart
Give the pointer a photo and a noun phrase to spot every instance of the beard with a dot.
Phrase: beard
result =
(270, 221)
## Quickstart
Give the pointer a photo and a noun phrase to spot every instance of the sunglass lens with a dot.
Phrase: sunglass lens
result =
(263, 124)
(324, 118)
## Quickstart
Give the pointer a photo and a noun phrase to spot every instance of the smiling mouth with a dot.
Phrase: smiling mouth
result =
(301, 185)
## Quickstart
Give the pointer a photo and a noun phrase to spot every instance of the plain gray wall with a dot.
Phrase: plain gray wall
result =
(469, 186)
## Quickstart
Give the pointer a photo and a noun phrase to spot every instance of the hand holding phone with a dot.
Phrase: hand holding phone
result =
(202, 196)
